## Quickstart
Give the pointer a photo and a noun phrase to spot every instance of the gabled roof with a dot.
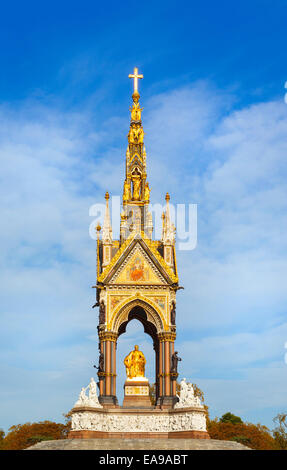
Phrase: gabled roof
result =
(126, 248)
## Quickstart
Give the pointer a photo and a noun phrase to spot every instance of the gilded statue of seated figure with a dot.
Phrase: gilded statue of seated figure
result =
(135, 364)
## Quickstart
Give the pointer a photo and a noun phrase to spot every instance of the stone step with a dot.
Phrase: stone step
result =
(138, 444)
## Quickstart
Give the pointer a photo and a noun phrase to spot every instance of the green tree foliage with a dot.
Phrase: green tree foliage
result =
(230, 418)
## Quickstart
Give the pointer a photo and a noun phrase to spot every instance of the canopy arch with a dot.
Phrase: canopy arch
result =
(141, 310)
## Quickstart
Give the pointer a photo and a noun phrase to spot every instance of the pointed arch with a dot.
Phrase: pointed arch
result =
(142, 310)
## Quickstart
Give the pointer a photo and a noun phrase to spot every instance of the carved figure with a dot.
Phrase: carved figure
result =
(146, 192)
(93, 395)
(101, 365)
(174, 362)
(186, 397)
(92, 399)
(136, 177)
(135, 363)
(82, 397)
(127, 191)
(102, 313)
(173, 313)
(136, 134)
(93, 390)
(136, 111)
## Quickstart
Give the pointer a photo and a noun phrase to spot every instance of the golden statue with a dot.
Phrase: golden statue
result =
(127, 191)
(135, 364)
(139, 134)
(136, 112)
(146, 192)
(136, 134)
(136, 178)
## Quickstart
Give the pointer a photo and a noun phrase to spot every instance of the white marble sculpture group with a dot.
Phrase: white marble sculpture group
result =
(186, 398)
(91, 400)
(191, 418)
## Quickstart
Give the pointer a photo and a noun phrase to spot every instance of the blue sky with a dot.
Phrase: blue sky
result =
(216, 126)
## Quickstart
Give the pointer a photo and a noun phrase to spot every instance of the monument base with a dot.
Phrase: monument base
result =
(137, 435)
(136, 393)
(166, 402)
(109, 401)
(103, 423)
(130, 445)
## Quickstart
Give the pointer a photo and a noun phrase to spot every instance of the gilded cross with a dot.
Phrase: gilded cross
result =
(135, 76)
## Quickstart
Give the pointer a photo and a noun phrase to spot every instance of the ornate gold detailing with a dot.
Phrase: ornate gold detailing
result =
(106, 374)
(137, 276)
(115, 258)
(121, 312)
(146, 192)
(136, 179)
(135, 364)
(160, 259)
(152, 248)
(108, 336)
(136, 111)
(135, 155)
(167, 336)
(136, 133)
(127, 191)
(173, 375)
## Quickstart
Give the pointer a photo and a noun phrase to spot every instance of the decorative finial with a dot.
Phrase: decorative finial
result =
(167, 197)
(135, 76)
(107, 235)
(98, 227)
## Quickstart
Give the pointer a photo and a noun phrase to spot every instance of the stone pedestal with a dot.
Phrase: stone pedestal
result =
(136, 393)
(108, 401)
(166, 403)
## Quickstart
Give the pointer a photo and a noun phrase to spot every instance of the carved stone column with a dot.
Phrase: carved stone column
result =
(167, 391)
(157, 363)
(107, 377)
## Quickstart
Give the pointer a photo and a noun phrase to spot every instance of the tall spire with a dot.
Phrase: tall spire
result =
(136, 188)
(136, 192)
